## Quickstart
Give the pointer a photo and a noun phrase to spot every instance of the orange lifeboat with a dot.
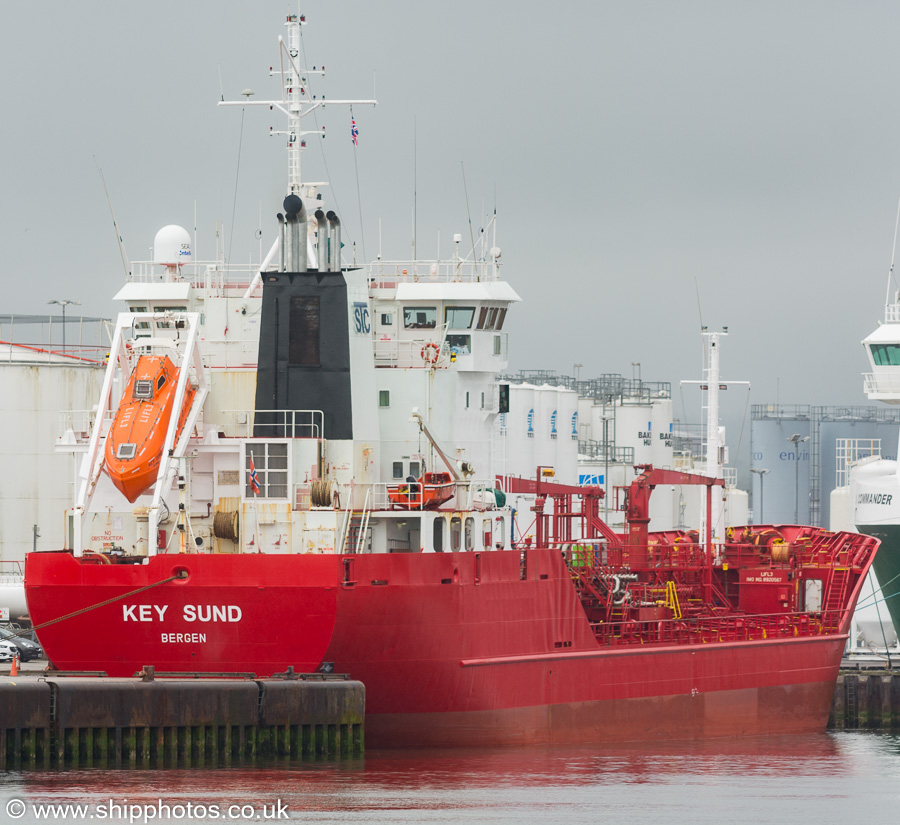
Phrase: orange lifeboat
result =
(135, 442)
(427, 493)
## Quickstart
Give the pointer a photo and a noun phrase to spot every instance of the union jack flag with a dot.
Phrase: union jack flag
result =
(354, 132)
(254, 478)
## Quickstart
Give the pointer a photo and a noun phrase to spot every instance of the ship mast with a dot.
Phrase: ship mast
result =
(712, 384)
(296, 103)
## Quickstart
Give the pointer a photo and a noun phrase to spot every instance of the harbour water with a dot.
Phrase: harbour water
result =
(841, 778)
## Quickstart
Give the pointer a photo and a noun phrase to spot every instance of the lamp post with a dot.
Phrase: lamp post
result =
(636, 367)
(64, 303)
(762, 476)
(606, 420)
(575, 368)
(796, 439)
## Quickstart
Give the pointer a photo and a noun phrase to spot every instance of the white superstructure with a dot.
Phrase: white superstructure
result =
(335, 389)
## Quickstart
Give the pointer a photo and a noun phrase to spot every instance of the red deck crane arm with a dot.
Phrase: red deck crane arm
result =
(637, 513)
(640, 489)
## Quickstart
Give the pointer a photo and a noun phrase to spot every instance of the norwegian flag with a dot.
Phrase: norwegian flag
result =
(354, 132)
(254, 478)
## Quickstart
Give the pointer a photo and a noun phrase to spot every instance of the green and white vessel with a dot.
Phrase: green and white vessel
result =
(875, 481)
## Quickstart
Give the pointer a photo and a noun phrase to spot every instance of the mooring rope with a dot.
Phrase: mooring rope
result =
(87, 609)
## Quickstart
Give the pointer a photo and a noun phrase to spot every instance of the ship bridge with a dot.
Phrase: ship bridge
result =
(883, 352)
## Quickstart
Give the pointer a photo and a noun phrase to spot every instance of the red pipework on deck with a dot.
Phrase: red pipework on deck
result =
(559, 530)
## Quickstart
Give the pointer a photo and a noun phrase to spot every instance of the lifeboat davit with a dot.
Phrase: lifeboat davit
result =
(135, 442)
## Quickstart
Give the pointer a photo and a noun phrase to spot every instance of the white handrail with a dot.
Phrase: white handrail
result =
(363, 523)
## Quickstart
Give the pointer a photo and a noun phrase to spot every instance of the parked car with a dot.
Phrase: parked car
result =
(28, 650)
(8, 651)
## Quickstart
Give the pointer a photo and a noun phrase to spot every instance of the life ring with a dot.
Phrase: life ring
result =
(429, 348)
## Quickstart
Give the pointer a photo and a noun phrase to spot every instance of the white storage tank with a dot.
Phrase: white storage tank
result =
(737, 507)
(585, 419)
(661, 431)
(520, 424)
(841, 510)
(567, 436)
(634, 428)
(599, 413)
(546, 425)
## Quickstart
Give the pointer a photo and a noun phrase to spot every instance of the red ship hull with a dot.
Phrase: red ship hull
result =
(453, 648)
(229, 614)
(508, 661)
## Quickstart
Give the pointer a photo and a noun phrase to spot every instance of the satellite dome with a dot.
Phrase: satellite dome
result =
(172, 246)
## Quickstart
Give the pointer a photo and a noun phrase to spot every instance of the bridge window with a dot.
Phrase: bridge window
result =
(139, 324)
(167, 324)
(487, 318)
(461, 343)
(459, 317)
(419, 317)
(886, 355)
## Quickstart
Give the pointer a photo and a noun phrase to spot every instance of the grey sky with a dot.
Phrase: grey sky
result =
(639, 152)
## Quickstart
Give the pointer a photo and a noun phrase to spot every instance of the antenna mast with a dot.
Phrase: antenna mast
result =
(296, 101)
(887, 297)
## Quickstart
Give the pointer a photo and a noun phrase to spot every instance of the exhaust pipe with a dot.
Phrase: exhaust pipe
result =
(322, 242)
(294, 246)
(334, 241)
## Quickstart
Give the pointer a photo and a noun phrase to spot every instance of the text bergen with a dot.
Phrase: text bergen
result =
(190, 613)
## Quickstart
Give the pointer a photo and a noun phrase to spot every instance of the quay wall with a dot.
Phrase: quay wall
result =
(866, 700)
(70, 722)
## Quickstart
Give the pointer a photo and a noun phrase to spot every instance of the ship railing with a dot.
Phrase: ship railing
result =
(601, 556)
(81, 422)
(474, 494)
(410, 496)
(273, 423)
(212, 277)
(12, 572)
(72, 356)
(800, 547)
(388, 274)
(598, 450)
(74, 340)
(892, 314)
(417, 353)
(713, 629)
(850, 550)
(881, 384)
(809, 548)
